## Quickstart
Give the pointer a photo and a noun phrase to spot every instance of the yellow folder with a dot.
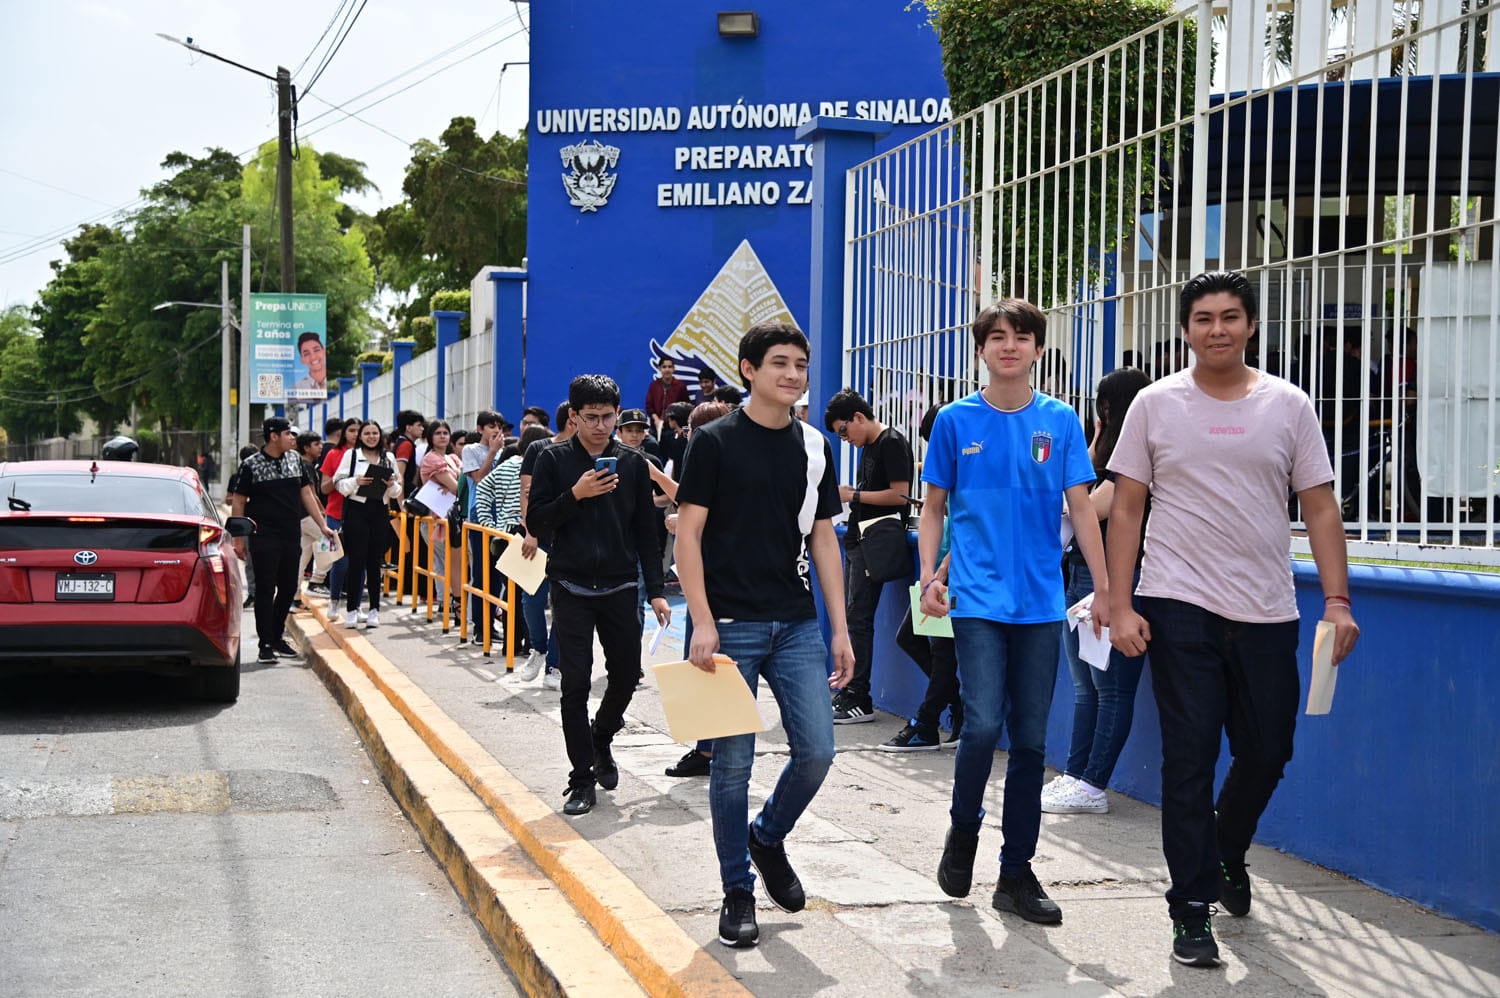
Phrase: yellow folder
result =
(702, 704)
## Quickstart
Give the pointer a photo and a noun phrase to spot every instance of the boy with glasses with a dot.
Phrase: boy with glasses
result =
(600, 523)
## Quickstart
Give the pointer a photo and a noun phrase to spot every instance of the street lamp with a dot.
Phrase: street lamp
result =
(226, 322)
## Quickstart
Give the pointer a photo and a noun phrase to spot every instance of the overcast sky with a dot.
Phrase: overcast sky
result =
(93, 100)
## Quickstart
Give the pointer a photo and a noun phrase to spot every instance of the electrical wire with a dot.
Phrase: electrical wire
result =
(99, 393)
(328, 59)
(329, 27)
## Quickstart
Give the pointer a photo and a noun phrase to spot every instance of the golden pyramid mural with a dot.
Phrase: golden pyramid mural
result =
(740, 295)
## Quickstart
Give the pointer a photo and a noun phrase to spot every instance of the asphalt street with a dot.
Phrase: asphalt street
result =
(151, 844)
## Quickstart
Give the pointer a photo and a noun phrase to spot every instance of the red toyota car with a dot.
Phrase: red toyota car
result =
(115, 564)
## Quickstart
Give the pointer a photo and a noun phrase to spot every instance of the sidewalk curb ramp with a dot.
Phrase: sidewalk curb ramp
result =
(513, 857)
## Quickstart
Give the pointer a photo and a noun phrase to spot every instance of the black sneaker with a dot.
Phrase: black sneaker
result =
(694, 763)
(318, 588)
(1193, 936)
(848, 710)
(280, 647)
(779, 877)
(737, 926)
(605, 770)
(580, 801)
(266, 656)
(911, 739)
(956, 870)
(1234, 890)
(1023, 895)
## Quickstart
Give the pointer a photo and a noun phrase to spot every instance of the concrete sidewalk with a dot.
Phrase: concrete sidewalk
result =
(876, 922)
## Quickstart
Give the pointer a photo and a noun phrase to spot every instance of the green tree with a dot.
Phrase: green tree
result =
(63, 312)
(25, 414)
(465, 208)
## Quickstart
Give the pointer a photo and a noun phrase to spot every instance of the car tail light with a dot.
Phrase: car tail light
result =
(210, 549)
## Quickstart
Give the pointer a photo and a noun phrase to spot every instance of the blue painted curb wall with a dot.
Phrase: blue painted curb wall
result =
(1398, 787)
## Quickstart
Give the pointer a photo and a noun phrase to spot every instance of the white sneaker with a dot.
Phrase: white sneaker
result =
(373, 620)
(351, 619)
(1060, 782)
(532, 666)
(359, 615)
(552, 680)
(1077, 799)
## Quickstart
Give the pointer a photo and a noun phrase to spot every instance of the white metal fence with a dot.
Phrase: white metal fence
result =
(1341, 155)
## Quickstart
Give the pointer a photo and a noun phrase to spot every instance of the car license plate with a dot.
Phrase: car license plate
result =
(85, 586)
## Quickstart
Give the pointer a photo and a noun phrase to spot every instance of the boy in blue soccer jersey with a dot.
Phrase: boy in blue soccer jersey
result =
(1007, 456)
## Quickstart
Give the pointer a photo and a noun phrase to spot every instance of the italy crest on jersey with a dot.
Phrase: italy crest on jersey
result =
(1041, 447)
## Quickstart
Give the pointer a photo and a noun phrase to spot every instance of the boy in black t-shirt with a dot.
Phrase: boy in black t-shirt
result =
(882, 485)
(757, 496)
(271, 488)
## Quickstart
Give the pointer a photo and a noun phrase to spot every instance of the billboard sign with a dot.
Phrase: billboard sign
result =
(288, 348)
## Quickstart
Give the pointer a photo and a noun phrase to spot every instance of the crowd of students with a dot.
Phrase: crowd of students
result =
(1176, 505)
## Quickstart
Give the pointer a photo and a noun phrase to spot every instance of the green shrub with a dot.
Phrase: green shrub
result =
(384, 358)
(454, 301)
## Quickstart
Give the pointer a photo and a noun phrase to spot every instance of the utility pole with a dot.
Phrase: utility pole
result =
(226, 348)
(285, 109)
(243, 430)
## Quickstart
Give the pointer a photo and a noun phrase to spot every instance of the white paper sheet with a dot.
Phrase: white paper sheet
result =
(1324, 673)
(1093, 650)
(434, 498)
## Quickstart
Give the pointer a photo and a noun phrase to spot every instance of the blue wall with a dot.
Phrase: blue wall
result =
(605, 283)
(1399, 786)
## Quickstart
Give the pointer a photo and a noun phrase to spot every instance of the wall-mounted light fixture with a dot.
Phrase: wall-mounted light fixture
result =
(739, 23)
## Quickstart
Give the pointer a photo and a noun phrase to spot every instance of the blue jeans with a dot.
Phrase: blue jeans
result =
(337, 570)
(534, 611)
(1005, 673)
(793, 659)
(1103, 701)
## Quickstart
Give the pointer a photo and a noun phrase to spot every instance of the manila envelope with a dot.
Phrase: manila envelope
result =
(702, 704)
(1324, 673)
(529, 575)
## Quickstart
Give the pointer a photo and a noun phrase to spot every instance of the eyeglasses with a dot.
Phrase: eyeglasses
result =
(843, 431)
(600, 419)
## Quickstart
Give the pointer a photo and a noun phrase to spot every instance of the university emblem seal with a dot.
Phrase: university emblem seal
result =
(589, 183)
(1041, 447)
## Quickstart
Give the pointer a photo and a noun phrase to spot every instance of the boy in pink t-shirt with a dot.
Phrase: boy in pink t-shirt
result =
(1218, 446)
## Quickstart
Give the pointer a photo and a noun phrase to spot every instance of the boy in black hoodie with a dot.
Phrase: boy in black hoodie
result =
(591, 504)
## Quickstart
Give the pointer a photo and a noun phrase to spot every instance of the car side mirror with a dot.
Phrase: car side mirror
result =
(240, 526)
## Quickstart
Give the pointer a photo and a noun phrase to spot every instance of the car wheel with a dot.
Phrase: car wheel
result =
(221, 684)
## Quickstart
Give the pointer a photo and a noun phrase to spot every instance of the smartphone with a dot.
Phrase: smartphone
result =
(606, 465)
(913, 500)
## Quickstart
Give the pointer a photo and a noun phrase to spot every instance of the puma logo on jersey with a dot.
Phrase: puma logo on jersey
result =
(974, 448)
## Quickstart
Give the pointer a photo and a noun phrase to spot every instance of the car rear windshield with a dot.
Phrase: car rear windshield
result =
(80, 492)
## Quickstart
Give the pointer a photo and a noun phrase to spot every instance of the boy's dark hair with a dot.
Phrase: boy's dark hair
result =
(333, 426)
(929, 418)
(762, 337)
(531, 435)
(680, 413)
(667, 360)
(309, 335)
(539, 413)
(405, 418)
(1023, 317)
(707, 374)
(843, 406)
(593, 389)
(1116, 391)
(306, 440)
(562, 416)
(1212, 282)
(729, 395)
(247, 450)
(487, 417)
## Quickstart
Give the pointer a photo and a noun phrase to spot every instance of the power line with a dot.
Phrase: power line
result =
(327, 28)
(43, 183)
(58, 399)
(328, 59)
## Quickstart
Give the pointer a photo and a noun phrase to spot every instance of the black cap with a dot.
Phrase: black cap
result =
(274, 425)
(634, 417)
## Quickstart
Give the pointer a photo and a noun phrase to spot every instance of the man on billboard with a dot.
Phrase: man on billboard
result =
(314, 357)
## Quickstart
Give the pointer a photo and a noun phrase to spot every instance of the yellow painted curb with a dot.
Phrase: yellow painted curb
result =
(663, 958)
(551, 949)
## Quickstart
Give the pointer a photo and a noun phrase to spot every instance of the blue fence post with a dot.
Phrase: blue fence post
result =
(345, 383)
(369, 370)
(508, 364)
(401, 351)
(838, 144)
(447, 335)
